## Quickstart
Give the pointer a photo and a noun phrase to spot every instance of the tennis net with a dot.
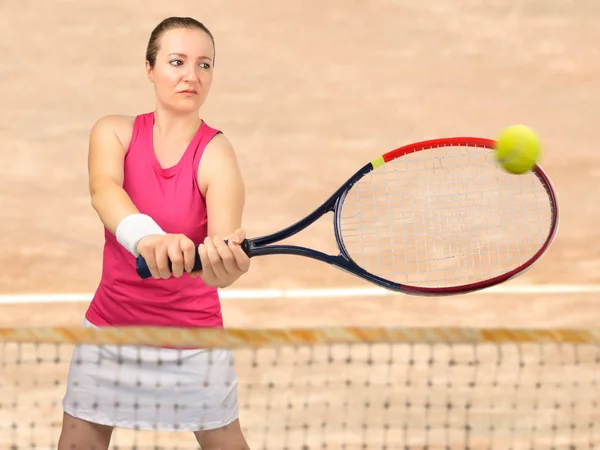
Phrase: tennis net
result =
(342, 388)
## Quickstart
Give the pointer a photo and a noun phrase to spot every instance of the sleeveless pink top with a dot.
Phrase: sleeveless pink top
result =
(173, 199)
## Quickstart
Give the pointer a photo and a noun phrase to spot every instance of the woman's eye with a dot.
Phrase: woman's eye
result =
(175, 62)
(205, 65)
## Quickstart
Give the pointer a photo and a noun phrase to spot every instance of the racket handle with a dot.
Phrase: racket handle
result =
(144, 271)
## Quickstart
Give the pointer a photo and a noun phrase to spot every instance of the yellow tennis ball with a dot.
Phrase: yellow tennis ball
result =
(517, 149)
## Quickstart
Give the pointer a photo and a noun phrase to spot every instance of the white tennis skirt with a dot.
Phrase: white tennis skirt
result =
(148, 388)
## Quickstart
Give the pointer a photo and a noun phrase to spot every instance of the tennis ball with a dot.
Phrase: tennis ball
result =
(517, 149)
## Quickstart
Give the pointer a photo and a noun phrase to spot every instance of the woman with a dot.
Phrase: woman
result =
(161, 183)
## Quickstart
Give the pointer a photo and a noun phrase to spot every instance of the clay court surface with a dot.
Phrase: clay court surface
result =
(308, 92)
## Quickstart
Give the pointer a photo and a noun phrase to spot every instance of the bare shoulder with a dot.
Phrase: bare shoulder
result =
(219, 162)
(218, 148)
(218, 155)
(118, 125)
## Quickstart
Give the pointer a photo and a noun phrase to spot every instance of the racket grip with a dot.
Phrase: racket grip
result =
(144, 271)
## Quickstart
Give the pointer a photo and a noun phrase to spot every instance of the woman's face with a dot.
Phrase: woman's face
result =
(183, 71)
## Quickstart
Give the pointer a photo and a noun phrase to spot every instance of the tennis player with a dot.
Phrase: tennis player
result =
(162, 182)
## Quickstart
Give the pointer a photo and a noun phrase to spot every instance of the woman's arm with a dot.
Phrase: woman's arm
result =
(221, 182)
(105, 167)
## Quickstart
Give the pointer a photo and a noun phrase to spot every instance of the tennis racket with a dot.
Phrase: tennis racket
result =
(437, 217)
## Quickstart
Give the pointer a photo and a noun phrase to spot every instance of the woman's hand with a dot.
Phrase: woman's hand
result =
(223, 263)
(158, 249)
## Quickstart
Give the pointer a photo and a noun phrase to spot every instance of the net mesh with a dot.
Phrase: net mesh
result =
(342, 388)
(444, 216)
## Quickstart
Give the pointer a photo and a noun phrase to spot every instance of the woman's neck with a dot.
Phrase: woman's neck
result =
(168, 125)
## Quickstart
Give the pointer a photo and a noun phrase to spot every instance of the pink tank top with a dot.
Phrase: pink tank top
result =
(173, 199)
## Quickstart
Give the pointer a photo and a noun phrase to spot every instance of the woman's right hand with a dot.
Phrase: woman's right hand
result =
(158, 249)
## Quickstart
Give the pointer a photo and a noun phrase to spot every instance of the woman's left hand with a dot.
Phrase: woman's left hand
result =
(223, 263)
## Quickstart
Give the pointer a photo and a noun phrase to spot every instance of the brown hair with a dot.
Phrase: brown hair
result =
(169, 24)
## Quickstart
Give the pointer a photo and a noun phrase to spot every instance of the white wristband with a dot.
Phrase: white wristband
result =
(134, 228)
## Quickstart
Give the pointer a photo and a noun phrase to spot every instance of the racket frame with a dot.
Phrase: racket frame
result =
(264, 245)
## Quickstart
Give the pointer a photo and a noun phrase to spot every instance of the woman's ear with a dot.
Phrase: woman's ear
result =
(149, 72)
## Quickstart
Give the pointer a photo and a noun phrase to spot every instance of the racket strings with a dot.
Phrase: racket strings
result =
(444, 216)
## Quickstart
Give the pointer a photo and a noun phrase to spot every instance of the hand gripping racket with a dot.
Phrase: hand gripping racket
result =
(436, 217)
